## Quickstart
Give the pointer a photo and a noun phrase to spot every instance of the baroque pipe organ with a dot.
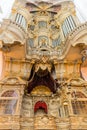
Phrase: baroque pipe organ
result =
(43, 81)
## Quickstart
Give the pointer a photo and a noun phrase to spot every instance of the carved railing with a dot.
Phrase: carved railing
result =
(77, 30)
(69, 40)
(13, 28)
(78, 122)
(9, 122)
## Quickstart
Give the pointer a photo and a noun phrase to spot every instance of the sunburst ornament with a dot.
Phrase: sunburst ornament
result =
(43, 6)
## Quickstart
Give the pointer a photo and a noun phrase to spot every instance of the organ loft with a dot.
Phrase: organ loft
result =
(43, 84)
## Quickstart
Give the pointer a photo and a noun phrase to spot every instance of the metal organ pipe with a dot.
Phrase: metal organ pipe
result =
(17, 18)
(71, 22)
(63, 30)
(74, 24)
(68, 26)
(20, 20)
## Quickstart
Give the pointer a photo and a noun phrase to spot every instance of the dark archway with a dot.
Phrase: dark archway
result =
(42, 77)
(40, 105)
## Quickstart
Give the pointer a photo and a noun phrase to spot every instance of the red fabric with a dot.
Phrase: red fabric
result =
(40, 104)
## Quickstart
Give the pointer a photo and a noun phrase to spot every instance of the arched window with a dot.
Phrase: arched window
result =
(20, 20)
(8, 102)
(66, 111)
(84, 65)
(79, 103)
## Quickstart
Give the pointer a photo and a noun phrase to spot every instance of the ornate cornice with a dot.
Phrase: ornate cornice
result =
(73, 38)
(12, 80)
(11, 33)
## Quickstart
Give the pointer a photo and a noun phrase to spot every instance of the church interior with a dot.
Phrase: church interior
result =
(43, 86)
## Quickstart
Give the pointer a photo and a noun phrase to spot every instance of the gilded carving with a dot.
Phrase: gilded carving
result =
(43, 48)
(41, 90)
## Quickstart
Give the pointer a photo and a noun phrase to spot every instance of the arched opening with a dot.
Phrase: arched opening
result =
(42, 78)
(78, 94)
(8, 102)
(40, 107)
(83, 69)
(79, 103)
